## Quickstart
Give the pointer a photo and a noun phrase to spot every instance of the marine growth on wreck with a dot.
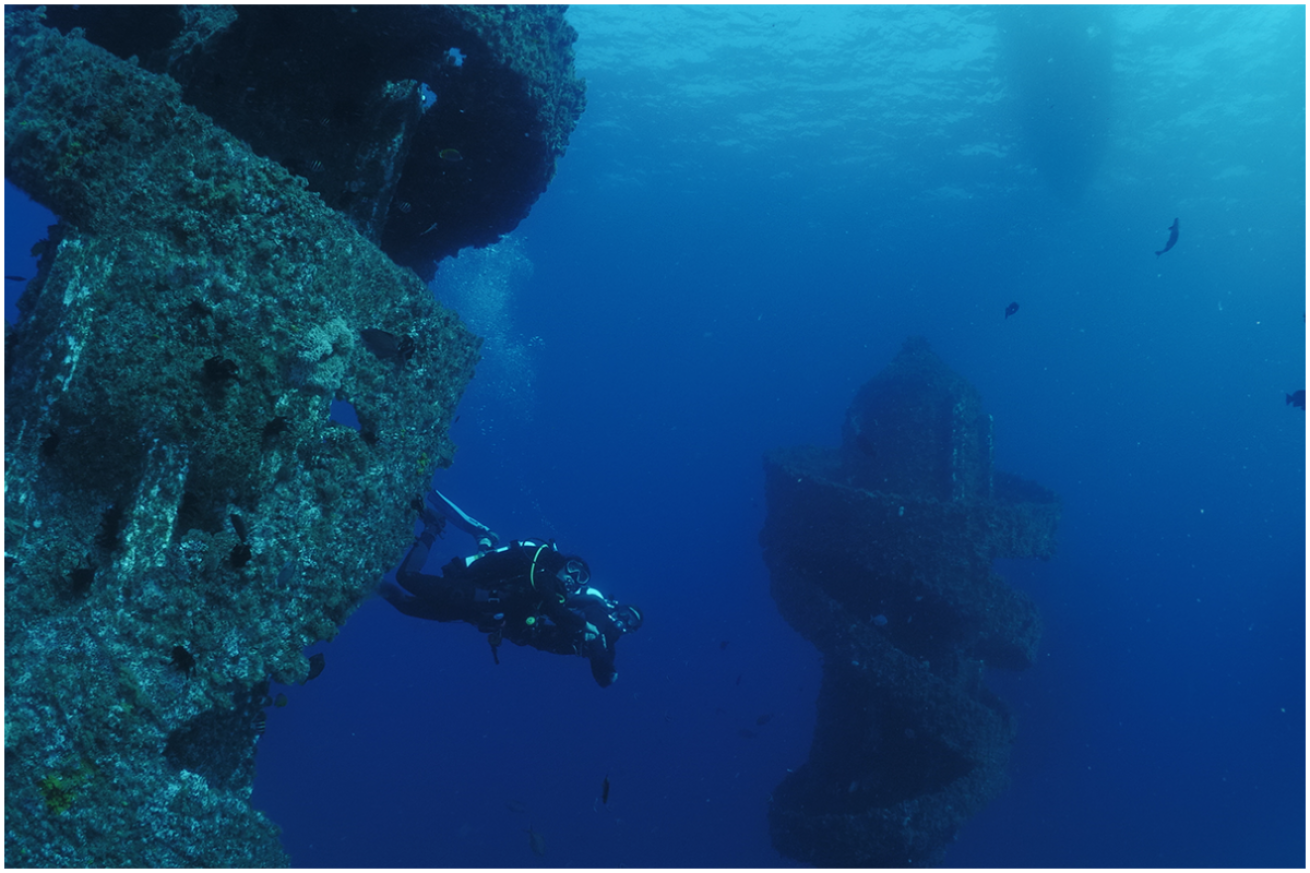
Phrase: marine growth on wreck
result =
(880, 554)
(182, 517)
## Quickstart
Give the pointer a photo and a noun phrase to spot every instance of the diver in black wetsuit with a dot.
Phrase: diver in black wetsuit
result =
(526, 592)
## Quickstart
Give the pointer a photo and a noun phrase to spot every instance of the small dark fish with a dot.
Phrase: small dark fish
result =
(50, 445)
(1011, 309)
(537, 841)
(316, 166)
(218, 370)
(764, 719)
(1173, 238)
(1297, 399)
(387, 345)
(451, 155)
(15, 279)
(259, 723)
(605, 790)
(403, 206)
(380, 342)
(746, 733)
(723, 644)
(278, 424)
(280, 700)
(238, 525)
(316, 665)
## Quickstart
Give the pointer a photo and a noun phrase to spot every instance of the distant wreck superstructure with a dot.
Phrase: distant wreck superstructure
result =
(880, 554)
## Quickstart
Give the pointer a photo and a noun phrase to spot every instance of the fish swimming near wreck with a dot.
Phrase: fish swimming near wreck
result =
(1297, 399)
(537, 841)
(1011, 309)
(1173, 238)
(316, 664)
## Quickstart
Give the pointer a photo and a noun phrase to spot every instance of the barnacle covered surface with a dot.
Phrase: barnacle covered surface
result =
(880, 554)
(335, 94)
(193, 318)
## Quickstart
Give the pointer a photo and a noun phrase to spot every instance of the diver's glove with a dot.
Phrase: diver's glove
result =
(602, 667)
(593, 642)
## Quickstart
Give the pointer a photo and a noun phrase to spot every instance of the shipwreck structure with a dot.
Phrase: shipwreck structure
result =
(431, 128)
(880, 554)
(182, 514)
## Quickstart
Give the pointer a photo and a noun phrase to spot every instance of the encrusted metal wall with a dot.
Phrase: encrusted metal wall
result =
(181, 515)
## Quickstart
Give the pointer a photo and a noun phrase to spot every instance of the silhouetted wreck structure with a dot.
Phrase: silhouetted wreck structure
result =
(240, 200)
(430, 128)
(880, 554)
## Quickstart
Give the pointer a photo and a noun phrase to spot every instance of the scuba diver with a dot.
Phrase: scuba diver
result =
(526, 592)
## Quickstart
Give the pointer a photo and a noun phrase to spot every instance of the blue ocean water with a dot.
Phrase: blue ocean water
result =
(758, 206)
